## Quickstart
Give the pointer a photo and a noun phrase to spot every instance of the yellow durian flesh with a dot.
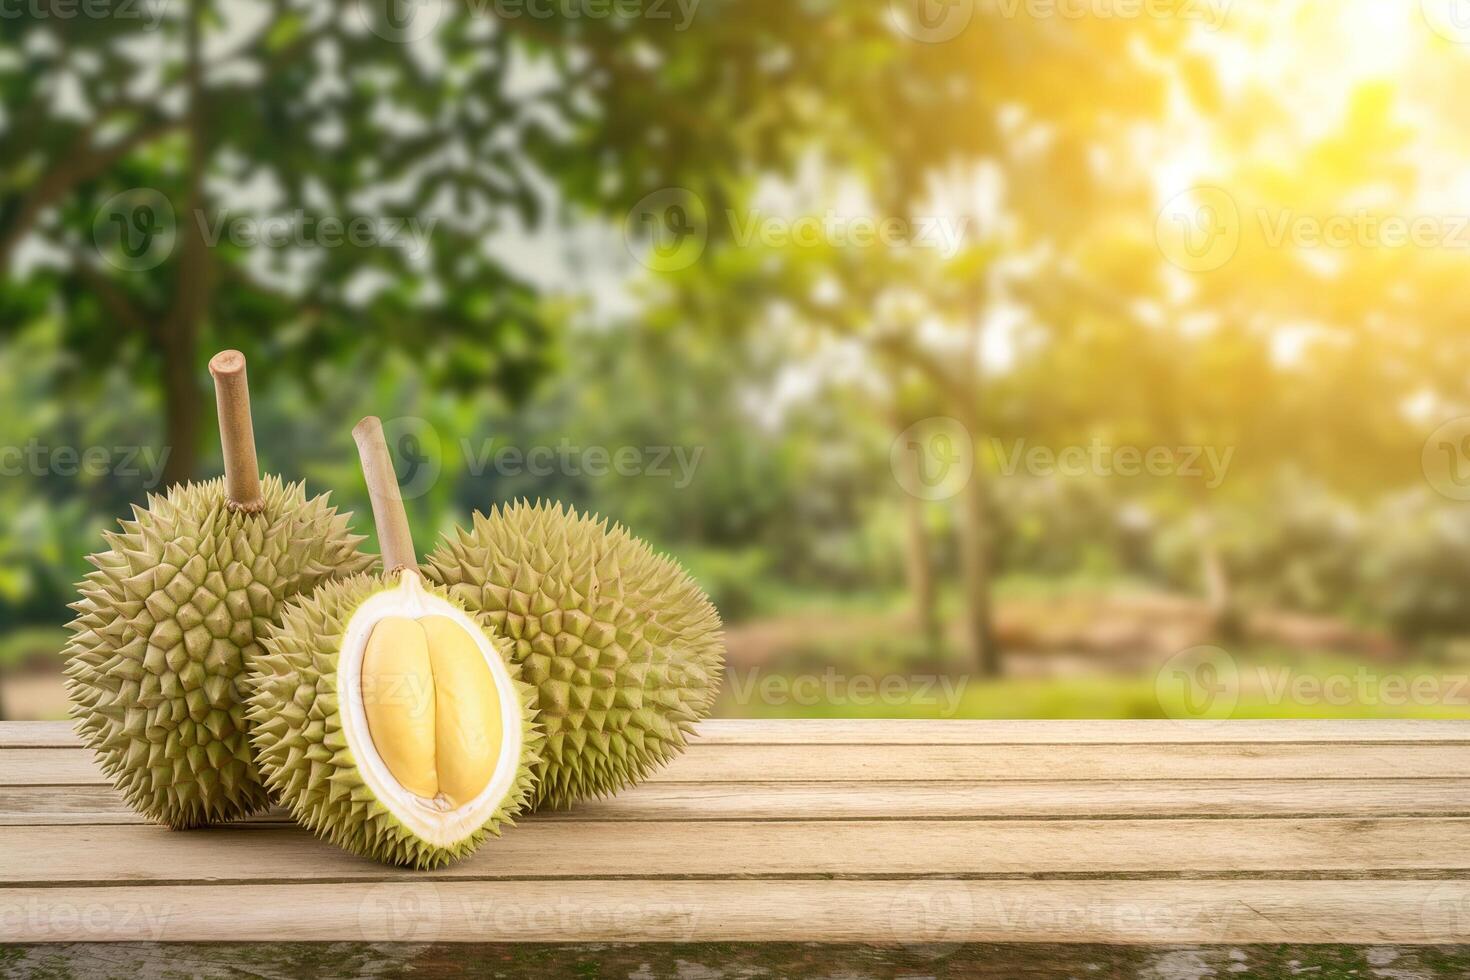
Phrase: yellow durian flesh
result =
(432, 708)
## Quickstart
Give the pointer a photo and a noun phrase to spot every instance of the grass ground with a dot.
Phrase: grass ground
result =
(794, 694)
(1078, 653)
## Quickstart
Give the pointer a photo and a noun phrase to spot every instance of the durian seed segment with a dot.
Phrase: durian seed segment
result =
(429, 710)
(432, 709)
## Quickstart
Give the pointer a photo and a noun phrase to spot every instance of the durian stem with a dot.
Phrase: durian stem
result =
(395, 543)
(236, 434)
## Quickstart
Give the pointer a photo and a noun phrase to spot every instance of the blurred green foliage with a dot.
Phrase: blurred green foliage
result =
(743, 411)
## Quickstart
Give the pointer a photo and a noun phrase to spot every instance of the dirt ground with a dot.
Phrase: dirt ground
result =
(32, 696)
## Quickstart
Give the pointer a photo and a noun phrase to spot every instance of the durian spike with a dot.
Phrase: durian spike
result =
(236, 434)
(395, 542)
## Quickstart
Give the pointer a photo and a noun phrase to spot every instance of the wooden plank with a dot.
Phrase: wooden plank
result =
(97, 804)
(546, 849)
(968, 763)
(56, 806)
(1000, 799)
(49, 767)
(952, 763)
(59, 734)
(38, 735)
(935, 911)
(827, 731)
(1261, 832)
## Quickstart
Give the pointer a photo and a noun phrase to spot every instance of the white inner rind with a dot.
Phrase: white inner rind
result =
(423, 817)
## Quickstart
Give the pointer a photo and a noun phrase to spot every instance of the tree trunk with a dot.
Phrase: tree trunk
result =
(1219, 592)
(920, 567)
(975, 537)
(974, 540)
(182, 402)
(179, 336)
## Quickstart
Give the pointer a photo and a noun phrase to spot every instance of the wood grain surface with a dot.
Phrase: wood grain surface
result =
(869, 832)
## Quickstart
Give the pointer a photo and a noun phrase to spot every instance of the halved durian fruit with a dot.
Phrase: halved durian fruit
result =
(385, 715)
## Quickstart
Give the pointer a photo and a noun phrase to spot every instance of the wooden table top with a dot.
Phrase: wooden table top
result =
(830, 831)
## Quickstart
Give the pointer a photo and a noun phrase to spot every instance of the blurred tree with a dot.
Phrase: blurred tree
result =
(1044, 105)
(308, 180)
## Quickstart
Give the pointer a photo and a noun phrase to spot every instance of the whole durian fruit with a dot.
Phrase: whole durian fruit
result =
(173, 611)
(384, 715)
(624, 648)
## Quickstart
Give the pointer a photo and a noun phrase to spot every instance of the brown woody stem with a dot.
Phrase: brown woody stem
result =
(394, 540)
(236, 435)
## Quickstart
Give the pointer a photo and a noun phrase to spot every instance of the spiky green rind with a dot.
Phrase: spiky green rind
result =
(298, 737)
(163, 630)
(624, 648)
